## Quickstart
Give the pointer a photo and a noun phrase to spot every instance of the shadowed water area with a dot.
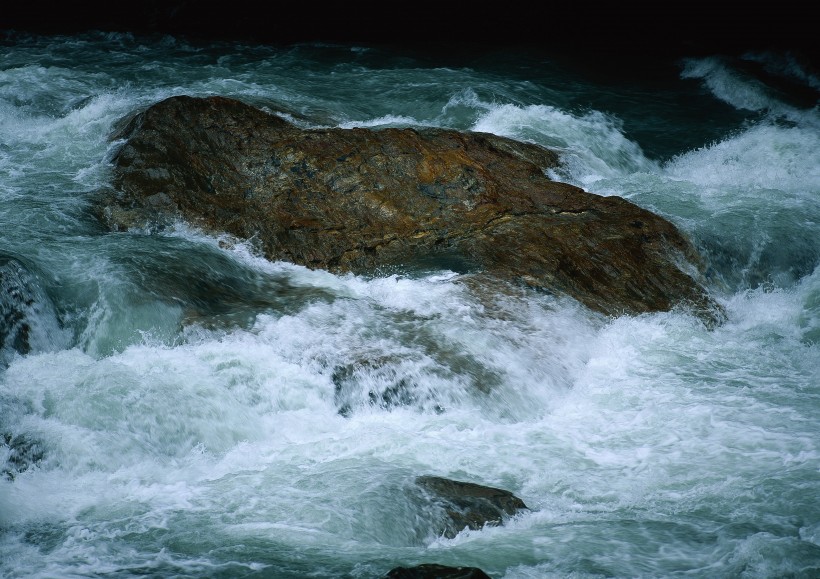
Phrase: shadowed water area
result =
(175, 403)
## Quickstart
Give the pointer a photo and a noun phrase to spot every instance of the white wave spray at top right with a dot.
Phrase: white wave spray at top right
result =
(778, 151)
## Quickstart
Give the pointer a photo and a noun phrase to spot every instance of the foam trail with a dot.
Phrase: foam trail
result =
(385, 121)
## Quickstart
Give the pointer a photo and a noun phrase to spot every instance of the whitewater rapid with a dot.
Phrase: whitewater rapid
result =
(191, 409)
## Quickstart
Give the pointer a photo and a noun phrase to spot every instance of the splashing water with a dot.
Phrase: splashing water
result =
(183, 407)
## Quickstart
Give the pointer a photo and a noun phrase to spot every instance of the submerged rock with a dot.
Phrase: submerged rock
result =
(435, 571)
(356, 200)
(397, 380)
(468, 505)
(28, 319)
(377, 383)
(18, 453)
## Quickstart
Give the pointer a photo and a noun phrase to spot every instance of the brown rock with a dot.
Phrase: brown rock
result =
(357, 199)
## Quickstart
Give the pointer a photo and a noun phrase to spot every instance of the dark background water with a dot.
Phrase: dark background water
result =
(592, 28)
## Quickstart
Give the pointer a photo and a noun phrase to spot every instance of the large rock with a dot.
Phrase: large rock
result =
(357, 199)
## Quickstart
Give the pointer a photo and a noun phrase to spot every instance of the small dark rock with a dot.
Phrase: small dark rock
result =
(469, 505)
(435, 571)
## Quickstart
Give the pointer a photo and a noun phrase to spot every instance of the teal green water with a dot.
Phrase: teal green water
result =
(177, 414)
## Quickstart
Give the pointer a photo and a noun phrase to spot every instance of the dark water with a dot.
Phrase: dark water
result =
(185, 408)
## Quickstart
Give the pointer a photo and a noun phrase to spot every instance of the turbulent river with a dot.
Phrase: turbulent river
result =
(186, 408)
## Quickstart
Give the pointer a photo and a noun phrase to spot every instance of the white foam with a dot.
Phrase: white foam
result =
(592, 144)
(764, 156)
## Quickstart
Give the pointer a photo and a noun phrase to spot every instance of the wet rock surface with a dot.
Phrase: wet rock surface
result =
(435, 571)
(357, 200)
(28, 320)
(468, 505)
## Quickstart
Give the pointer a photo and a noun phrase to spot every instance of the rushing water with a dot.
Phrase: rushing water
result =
(189, 409)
